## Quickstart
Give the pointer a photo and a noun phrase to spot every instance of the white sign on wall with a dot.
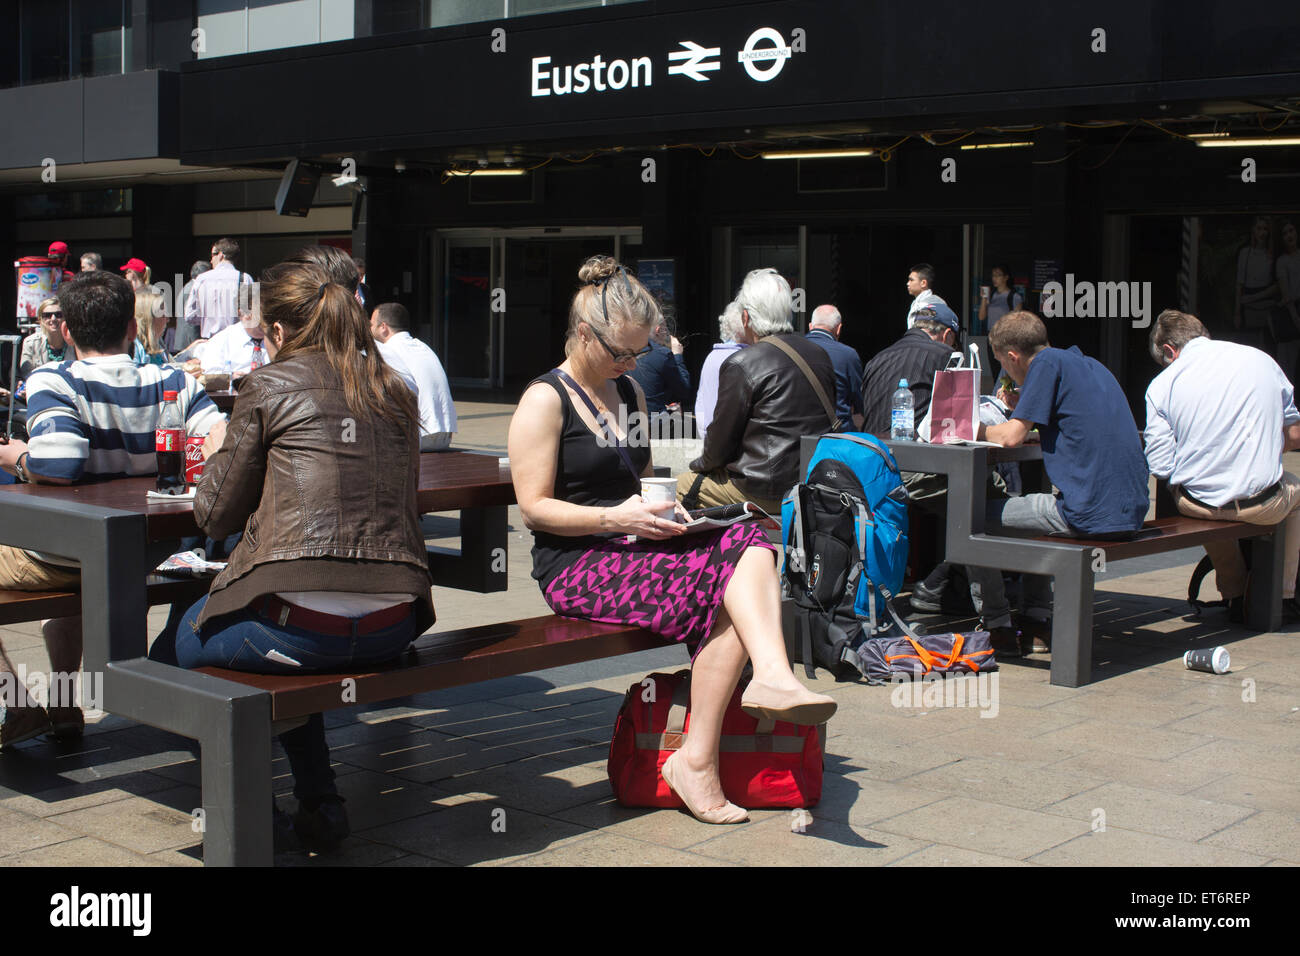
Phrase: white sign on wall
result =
(763, 57)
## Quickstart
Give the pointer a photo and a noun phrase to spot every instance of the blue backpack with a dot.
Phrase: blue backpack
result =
(845, 549)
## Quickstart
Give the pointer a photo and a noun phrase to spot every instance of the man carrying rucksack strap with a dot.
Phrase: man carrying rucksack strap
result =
(769, 397)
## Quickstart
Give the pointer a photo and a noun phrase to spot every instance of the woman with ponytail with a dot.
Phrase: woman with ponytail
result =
(577, 473)
(319, 469)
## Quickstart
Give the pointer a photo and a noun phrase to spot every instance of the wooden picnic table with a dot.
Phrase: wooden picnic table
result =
(224, 399)
(116, 531)
(477, 486)
(1069, 561)
(110, 526)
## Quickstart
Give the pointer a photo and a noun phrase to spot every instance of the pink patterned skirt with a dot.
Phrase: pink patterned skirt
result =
(673, 588)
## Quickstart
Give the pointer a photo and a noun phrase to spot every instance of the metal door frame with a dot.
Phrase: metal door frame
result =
(443, 240)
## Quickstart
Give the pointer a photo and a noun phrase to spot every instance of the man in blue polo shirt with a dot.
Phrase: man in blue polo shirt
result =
(90, 418)
(1091, 452)
(824, 329)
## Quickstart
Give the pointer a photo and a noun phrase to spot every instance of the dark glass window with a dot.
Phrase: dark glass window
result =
(73, 205)
(43, 31)
(61, 39)
(396, 16)
(98, 37)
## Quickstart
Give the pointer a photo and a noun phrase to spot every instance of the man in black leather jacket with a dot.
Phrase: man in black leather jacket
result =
(766, 404)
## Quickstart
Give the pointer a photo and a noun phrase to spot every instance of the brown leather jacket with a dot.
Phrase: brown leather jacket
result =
(765, 405)
(326, 498)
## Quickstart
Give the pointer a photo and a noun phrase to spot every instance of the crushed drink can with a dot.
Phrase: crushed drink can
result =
(193, 459)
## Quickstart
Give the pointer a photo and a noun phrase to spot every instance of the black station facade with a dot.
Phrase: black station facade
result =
(1123, 150)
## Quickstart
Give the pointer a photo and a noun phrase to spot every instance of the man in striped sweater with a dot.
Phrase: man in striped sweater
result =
(89, 418)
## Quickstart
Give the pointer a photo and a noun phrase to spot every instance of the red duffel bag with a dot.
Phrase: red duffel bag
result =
(763, 763)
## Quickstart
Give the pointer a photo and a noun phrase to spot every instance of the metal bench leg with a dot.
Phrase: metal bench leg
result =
(236, 761)
(481, 563)
(1264, 597)
(1072, 623)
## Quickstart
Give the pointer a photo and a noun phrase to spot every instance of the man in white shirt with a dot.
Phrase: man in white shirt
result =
(213, 302)
(1219, 417)
(920, 282)
(237, 348)
(390, 324)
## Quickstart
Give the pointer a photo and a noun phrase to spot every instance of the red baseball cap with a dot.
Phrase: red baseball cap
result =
(58, 249)
(135, 265)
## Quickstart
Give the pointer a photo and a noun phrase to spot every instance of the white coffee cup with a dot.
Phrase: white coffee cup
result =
(660, 494)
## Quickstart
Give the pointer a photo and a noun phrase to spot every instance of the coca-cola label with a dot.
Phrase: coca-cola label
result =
(193, 460)
(168, 439)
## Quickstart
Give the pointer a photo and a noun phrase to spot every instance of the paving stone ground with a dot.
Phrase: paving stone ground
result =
(1150, 765)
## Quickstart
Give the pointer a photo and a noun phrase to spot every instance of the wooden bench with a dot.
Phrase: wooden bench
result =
(450, 659)
(1071, 563)
(1162, 535)
(17, 607)
(234, 714)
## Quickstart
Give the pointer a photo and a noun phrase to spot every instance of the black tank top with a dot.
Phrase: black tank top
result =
(587, 472)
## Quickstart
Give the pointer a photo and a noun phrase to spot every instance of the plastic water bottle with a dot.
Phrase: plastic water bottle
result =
(902, 414)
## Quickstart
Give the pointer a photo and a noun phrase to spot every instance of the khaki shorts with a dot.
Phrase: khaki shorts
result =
(21, 572)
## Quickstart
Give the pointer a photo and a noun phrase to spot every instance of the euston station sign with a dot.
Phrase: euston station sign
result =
(762, 57)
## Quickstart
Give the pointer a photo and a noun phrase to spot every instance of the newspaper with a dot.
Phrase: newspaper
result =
(706, 519)
(191, 564)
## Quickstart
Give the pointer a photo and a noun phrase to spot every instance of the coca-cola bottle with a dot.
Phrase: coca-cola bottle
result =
(169, 443)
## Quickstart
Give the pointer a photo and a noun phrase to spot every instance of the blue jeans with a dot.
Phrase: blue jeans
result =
(245, 641)
(1028, 516)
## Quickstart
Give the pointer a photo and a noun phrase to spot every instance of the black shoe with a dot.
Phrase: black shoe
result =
(953, 598)
(284, 839)
(1005, 640)
(1035, 636)
(323, 827)
(923, 599)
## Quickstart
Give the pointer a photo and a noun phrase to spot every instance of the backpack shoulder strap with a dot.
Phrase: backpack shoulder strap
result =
(788, 349)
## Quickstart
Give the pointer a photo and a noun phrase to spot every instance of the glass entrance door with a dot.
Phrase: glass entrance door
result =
(505, 296)
(470, 325)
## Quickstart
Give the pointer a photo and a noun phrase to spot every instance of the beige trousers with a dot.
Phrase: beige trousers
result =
(1229, 566)
(19, 571)
(717, 489)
